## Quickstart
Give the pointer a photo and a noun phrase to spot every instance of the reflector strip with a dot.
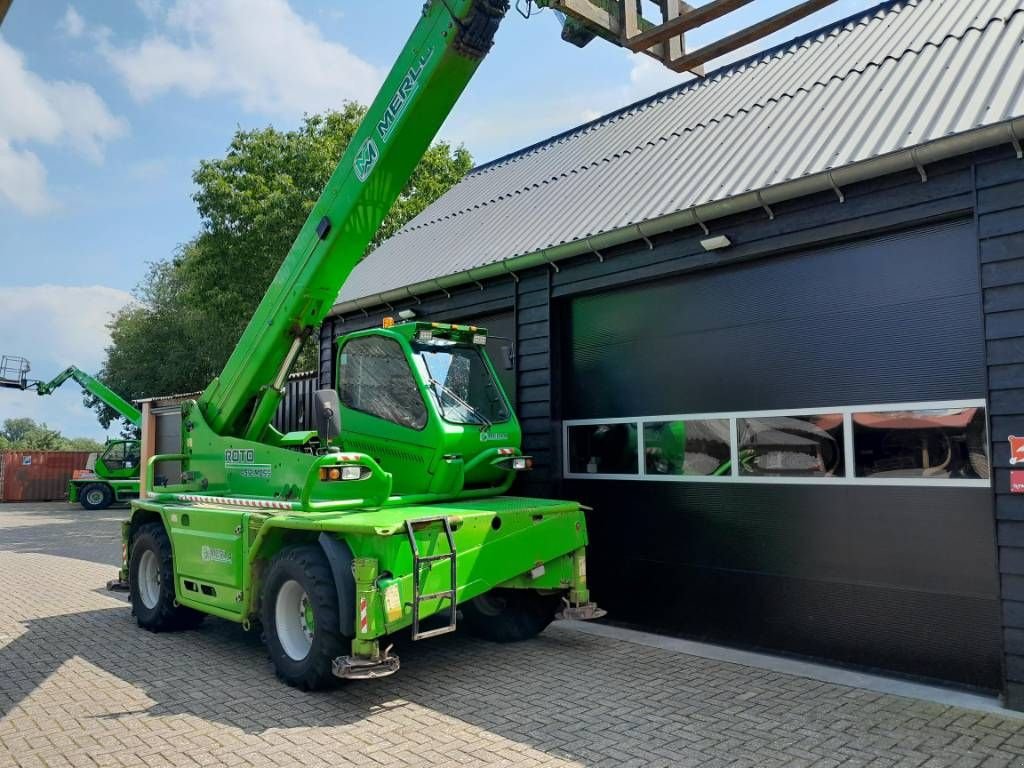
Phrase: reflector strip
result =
(364, 616)
(254, 503)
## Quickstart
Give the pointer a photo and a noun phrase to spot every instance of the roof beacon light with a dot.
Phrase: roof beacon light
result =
(389, 322)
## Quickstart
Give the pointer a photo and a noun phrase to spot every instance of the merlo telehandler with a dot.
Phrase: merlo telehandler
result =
(113, 475)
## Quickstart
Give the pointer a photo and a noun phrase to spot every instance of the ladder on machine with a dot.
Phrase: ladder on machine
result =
(417, 561)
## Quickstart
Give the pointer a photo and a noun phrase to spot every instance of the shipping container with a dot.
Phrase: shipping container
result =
(38, 475)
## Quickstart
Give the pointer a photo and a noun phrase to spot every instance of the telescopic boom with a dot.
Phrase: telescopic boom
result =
(95, 387)
(432, 70)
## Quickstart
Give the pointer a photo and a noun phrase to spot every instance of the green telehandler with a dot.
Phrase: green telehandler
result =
(393, 511)
(112, 476)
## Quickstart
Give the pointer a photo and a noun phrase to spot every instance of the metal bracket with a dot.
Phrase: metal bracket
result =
(469, 274)
(835, 187)
(442, 288)
(646, 239)
(118, 585)
(767, 208)
(413, 296)
(1015, 140)
(697, 218)
(918, 165)
(594, 250)
(358, 668)
(580, 612)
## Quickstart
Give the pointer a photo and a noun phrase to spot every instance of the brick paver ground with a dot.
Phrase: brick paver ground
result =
(81, 685)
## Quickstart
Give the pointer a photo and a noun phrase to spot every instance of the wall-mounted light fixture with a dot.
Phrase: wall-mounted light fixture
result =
(715, 243)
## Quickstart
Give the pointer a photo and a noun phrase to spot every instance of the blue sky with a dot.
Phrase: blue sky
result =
(106, 107)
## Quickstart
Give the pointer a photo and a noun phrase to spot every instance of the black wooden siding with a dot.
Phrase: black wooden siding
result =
(987, 185)
(1000, 222)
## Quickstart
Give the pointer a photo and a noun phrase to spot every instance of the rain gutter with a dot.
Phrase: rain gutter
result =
(834, 179)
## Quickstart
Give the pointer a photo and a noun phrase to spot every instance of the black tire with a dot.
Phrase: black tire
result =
(164, 615)
(308, 566)
(96, 496)
(510, 615)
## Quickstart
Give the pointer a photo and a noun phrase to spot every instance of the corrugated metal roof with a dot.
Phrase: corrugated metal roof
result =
(893, 77)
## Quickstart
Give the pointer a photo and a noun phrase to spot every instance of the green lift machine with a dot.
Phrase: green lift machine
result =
(391, 515)
(112, 476)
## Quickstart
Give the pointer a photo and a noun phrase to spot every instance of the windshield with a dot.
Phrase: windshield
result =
(462, 385)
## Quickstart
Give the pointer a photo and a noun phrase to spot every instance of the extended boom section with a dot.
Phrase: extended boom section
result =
(95, 387)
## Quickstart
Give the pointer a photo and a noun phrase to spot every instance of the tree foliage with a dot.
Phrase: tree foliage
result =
(191, 309)
(27, 435)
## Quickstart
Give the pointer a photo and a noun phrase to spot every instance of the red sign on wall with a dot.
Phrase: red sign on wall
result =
(1017, 481)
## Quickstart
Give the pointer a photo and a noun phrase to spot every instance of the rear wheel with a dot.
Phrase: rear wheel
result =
(510, 615)
(300, 618)
(96, 496)
(151, 580)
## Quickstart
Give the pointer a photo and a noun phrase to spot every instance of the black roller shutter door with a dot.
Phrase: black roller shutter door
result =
(899, 578)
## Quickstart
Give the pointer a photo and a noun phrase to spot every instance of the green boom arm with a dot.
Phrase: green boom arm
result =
(96, 388)
(431, 71)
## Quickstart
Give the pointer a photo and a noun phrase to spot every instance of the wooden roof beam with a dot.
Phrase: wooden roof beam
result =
(748, 35)
(693, 18)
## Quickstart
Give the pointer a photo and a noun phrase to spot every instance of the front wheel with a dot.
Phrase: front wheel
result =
(510, 615)
(151, 582)
(300, 618)
(96, 496)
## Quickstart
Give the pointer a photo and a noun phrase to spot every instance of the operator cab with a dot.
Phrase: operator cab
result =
(424, 401)
(121, 458)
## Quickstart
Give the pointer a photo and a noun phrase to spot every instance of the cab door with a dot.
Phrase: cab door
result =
(383, 413)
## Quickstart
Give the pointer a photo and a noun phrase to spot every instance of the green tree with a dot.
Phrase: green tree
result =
(83, 444)
(193, 307)
(15, 431)
(25, 434)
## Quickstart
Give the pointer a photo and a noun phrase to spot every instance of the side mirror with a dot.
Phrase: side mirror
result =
(327, 414)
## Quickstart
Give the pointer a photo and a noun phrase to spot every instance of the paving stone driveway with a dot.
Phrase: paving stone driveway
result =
(81, 685)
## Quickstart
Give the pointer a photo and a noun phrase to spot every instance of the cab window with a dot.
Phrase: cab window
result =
(375, 378)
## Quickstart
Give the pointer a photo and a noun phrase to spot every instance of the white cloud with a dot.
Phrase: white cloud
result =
(151, 9)
(23, 180)
(260, 52)
(55, 326)
(71, 24)
(58, 325)
(51, 112)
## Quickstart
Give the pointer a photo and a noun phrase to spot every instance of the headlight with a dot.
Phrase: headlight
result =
(344, 472)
